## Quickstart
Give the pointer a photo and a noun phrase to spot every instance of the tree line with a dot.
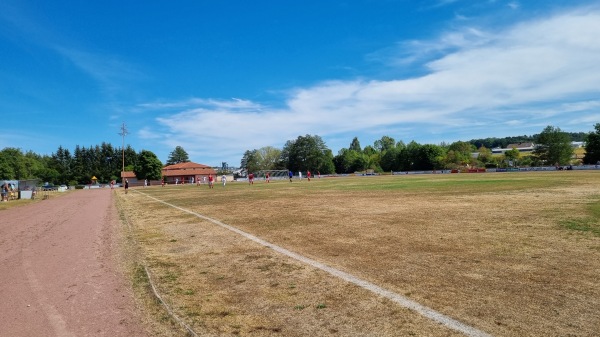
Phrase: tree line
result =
(304, 153)
(104, 161)
(309, 152)
(492, 143)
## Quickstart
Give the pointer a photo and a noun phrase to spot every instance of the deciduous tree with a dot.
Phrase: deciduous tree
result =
(592, 146)
(148, 166)
(553, 146)
(308, 153)
(384, 144)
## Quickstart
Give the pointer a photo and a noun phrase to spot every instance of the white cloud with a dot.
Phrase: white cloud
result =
(508, 81)
(514, 5)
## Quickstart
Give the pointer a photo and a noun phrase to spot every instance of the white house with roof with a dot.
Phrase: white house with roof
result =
(521, 147)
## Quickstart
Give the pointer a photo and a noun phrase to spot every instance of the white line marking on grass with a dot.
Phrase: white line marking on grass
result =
(403, 301)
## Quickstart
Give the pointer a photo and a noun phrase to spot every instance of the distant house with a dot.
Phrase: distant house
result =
(187, 172)
(577, 145)
(521, 147)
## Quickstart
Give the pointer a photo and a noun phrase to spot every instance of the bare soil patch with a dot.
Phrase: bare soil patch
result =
(60, 269)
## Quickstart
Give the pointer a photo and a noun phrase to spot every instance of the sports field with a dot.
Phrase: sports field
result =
(506, 254)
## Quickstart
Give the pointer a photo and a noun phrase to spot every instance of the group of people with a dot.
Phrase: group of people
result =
(7, 190)
(308, 175)
(251, 178)
(211, 180)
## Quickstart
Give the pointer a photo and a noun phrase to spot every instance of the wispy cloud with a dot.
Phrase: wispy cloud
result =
(109, 71)
(481, 81)
(514, 5)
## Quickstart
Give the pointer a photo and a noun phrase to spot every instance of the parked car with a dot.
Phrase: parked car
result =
(49, 187)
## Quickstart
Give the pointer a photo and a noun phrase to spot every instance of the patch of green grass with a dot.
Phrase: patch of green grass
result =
(588, 224)
(163, 264)
(189, 292)
(443, 183)
(192, 312)
(267, 266)
(169, 277)
(583, 225)
(140, 278)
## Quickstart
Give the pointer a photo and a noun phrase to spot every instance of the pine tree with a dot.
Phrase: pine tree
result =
(178, 156)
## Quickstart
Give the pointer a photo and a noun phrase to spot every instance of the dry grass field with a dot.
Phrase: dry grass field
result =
(510, 254)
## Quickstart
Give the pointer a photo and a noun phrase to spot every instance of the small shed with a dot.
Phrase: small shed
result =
(130, 176)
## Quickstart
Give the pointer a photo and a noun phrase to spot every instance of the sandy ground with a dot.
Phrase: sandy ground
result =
(59, 272)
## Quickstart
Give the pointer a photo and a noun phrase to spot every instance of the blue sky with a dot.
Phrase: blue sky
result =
(222, 77)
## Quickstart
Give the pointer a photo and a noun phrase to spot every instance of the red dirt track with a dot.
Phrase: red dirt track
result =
(59, 272)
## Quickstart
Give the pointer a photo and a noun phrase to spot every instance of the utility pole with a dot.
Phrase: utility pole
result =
(123, 133)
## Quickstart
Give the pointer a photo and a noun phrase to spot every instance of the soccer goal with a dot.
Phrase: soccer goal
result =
(273, 174)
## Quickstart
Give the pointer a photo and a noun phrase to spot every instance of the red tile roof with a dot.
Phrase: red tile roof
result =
(128, 174)
(187, 169)
(186, 165)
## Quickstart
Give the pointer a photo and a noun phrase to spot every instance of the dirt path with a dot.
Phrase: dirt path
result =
(59, 275)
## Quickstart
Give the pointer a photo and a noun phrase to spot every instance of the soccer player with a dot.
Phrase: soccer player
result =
(291, 175)
(210, 181)
(308, 175)
(251, 178)
(268, 177)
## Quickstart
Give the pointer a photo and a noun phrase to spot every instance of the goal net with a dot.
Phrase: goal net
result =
(273, 174)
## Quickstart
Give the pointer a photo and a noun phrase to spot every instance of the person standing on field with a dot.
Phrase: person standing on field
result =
(224, 180)
(5, 191)
(251, 178)
(126, 186)
(267, 177)
(291, 174)
(308, 175)
(210, 181)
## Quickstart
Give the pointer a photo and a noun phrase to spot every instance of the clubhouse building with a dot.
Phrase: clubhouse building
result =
(187, 173)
